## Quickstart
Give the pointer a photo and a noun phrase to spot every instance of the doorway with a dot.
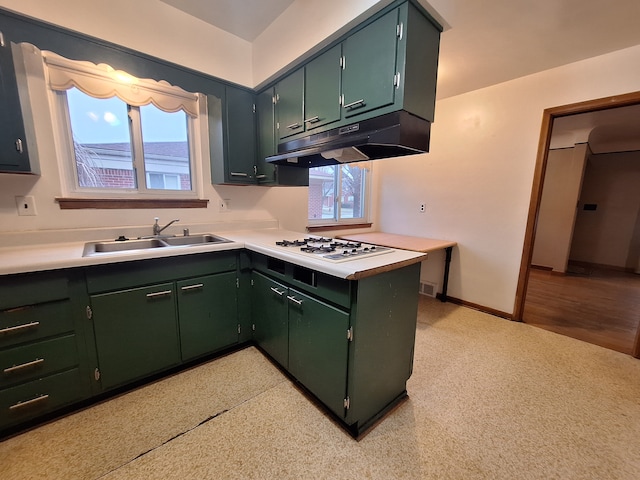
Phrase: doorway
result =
(576, 297)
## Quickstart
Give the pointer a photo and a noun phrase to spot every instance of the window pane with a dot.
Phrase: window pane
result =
(322, 185)
(101, 140)
(166, 147)
(352, 192)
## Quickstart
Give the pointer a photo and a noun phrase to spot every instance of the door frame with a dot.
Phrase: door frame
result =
(548, 116)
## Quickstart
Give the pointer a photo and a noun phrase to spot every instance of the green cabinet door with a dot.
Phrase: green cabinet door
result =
(13, 147)
(207, 313)
(290, 104)
(322, 89)
(240, 136)
(370, 66)
(318, 348)
(136, 332)
(265, 110)
(270, 317)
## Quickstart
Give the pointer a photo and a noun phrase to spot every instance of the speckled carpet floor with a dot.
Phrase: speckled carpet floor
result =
(488, 399)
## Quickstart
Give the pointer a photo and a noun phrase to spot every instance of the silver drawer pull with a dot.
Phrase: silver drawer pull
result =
(164, 293)
(260, 177)
(293, 126)
(29, 403)
(294, 300)
(17, 368)
(18, 328)
(192, 287)
(275, 290)
(238, 174)
(19, 147)
(312, 119)
(357, 103)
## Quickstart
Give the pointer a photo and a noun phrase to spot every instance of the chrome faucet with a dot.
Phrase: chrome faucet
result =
(157, 229)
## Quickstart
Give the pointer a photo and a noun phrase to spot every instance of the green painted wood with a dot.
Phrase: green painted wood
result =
(136, 334)
(322, 90)
(32, 288)
(290, 104)
(35, 322)
(34, 360)
(62, 389)
(384, 326)
(207, 314)
(270, 317)
(240, 131)
(11, 120)
(318, 348)
(370, 66)
(116, 276)
(265, 110)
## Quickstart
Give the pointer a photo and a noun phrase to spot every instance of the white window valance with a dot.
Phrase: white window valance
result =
(103, 81)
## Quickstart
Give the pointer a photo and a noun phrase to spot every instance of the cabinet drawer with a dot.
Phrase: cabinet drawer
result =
(31, 399)
(27, 362)
(25, 324)
(32, 288)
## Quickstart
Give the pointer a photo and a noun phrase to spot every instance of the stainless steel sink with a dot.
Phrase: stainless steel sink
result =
(95, 248)
(189, 240)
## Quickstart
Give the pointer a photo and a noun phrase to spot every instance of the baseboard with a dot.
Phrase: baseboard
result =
(481, 308)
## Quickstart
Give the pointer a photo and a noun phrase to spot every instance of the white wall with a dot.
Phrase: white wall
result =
(151, 27)
(607, 235)
(476, 181)
(557, 216)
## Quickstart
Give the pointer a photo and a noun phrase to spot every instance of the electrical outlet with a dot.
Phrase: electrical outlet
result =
(223, 205)
(423, 208)
(26, 205)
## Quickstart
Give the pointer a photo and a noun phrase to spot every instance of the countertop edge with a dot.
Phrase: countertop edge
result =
(386, 268)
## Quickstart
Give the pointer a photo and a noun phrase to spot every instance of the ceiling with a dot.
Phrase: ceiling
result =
(484, 43)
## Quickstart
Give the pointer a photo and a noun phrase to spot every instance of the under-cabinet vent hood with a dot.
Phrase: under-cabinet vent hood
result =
(391, 135)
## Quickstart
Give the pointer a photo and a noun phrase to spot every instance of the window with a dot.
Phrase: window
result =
(120, 135)
(339, 193)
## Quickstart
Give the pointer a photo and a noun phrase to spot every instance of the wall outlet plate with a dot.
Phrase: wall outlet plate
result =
(422, 208)
(26, 205)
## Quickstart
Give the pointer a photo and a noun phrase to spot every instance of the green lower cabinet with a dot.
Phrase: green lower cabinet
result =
(319, 348)
(270, 317)
(207, 313)
(136, 333)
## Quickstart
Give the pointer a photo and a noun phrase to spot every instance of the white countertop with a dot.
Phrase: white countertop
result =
(52, 256)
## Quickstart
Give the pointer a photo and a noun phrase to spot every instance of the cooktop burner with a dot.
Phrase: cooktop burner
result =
(332, 249)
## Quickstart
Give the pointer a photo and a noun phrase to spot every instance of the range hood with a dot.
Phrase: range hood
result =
(391, 135)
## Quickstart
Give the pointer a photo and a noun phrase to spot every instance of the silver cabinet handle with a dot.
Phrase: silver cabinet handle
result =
(293, 126)
(357, 103)
(29, 403)
(260, 177)
(238, 174)
(312, 119)
(294, 300)
(192, 287)
(18, 328)
(19, 145)
(275, 290)
(17, 368)
(164, 293)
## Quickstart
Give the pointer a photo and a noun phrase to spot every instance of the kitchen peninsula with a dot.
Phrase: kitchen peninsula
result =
(75, 328)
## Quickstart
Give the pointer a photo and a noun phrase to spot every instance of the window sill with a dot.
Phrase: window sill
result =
(128, 203)
(337, 226)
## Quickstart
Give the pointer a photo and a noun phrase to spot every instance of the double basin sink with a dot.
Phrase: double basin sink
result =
(125, 245)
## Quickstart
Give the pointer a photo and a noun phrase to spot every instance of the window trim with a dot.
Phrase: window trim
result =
(197, 131)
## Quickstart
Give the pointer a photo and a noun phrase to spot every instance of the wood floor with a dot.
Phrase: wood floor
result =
(592, 304)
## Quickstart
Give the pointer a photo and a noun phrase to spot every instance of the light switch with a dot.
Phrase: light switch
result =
(26, 205)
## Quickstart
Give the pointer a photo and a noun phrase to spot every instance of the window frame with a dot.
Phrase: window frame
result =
(366, 199)
(197, 137)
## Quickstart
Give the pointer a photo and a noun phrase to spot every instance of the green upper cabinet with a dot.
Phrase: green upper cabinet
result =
(13, 146)
(265, 110)
(369, 71)
(239, 138)
(322, 89)
(290, 104)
